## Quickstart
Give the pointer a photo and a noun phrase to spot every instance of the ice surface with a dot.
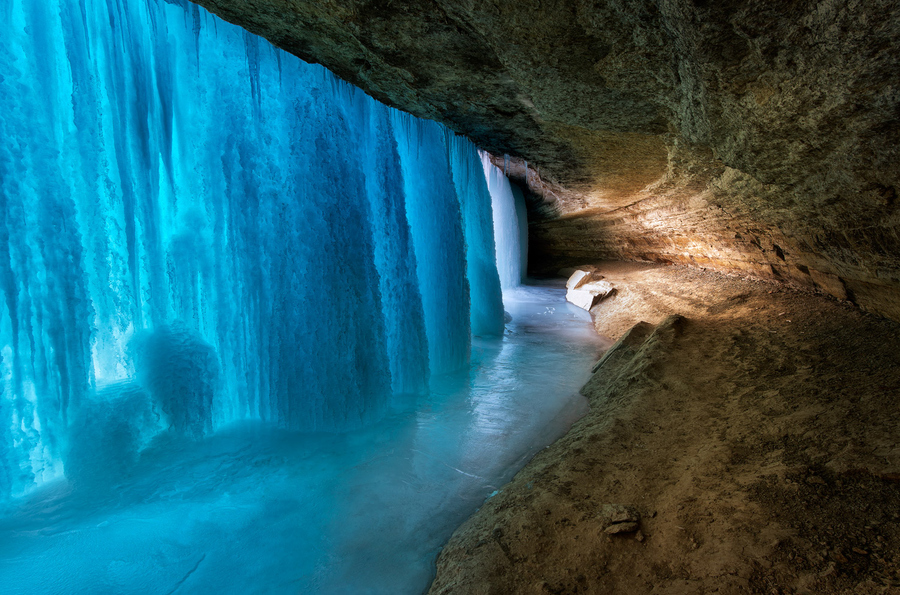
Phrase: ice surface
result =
(252, 509)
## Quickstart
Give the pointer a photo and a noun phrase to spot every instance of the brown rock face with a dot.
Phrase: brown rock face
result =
(742, 135)
(749, 446)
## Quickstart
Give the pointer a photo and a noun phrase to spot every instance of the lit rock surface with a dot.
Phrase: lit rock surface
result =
(746, 136)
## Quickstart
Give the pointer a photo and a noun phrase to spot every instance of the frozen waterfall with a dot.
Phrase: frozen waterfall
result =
(198, 228)
(510, 225)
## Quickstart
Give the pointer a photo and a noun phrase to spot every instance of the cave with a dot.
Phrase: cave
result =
(236, 231)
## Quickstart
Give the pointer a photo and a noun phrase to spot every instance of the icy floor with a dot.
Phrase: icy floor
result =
(252, 510)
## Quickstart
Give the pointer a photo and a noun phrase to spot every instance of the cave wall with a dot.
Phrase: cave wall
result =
(748, 136)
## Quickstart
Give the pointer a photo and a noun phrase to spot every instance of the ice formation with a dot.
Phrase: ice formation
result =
(510, 223)
(197, 229)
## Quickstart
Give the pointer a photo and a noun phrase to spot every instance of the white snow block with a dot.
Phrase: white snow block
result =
(585, 293)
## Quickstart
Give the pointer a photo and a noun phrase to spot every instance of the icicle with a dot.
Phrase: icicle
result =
(278, 53)
(195, 29)
(395, 258)
(251, 48)
(433, 211)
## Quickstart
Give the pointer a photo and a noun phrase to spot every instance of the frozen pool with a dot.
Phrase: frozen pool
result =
(257, 510)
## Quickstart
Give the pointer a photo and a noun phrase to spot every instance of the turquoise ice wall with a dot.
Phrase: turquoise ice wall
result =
(196, 228)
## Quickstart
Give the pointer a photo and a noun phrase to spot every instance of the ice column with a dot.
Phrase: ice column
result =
(475, 200)
(510, 225)
(395, 257)
(435, 219)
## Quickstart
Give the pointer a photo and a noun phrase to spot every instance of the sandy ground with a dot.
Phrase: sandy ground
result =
(754, 429)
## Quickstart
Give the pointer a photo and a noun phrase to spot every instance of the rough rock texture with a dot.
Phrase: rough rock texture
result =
(742, 135)
(756, 434)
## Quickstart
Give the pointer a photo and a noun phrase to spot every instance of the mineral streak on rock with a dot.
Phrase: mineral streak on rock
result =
(748, 136)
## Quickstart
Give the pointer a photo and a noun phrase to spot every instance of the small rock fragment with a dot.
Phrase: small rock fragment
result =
(620, 513)
(617, 528)
(620, 518)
